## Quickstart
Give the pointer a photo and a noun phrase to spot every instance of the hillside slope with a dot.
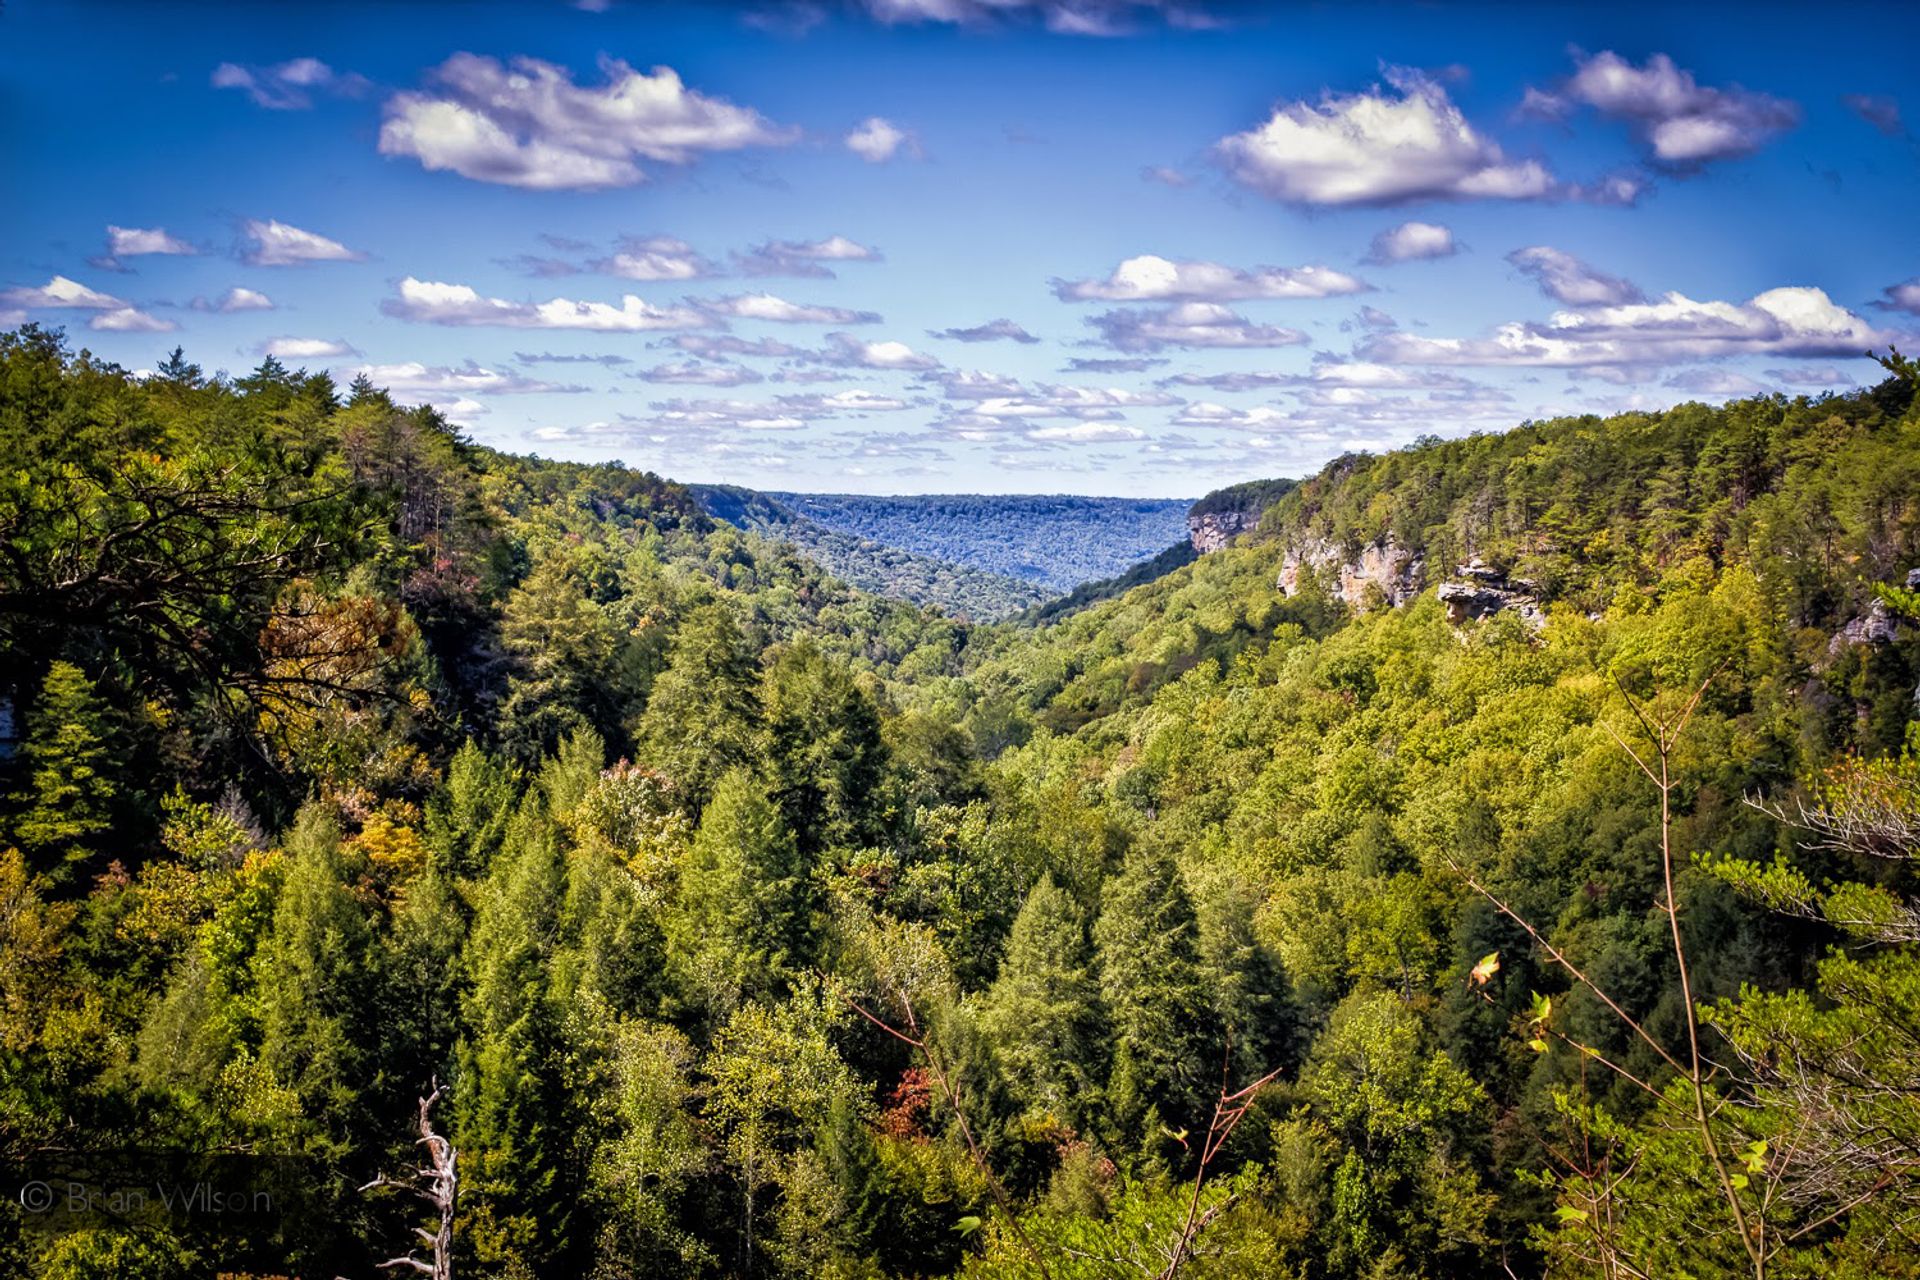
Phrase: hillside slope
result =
(355, 759)
(873, 566)
(1054, 541)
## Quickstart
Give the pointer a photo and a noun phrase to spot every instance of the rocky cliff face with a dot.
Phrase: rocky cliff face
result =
(1396, 572)
(1215, 529)
(1478, 591)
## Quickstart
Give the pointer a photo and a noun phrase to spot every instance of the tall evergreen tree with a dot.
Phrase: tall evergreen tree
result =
(1042, 1013)
(315, 982)
(1167, 1039)
(744, 915)
(67, 803)
(824, 751)
(704, 712)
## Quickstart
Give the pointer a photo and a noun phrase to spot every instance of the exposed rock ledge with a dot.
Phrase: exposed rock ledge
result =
(1395, 571)
(1482, 591)
(1215, 529)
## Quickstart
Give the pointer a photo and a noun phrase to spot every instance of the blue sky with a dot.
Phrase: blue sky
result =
(1107, 246)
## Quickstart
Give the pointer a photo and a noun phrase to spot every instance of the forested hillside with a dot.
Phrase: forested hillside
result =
(873, 566)
(726, 920)
(1055, 541)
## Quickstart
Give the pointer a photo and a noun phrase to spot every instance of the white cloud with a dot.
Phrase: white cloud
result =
(655, 258)
(286, 86)
(1793, 321)
(1811, 376)
(1378, 148)
(303, 348)
(877, 140)
(765, 306)
(696, 373)
(991, 331)
(241, 298)
(1149, 278)
(129, 320)
(1188, 324)
(1063, 17)
(133, 242)
(1565, 278)
(528, 124)
(716, 346)
(1088, 433)
(845, 351)
(1715, 382)
(435, 383)
(1682, 122)
(1902, 297)
(1412, 241)
(278, 244)
(782, 413)
(432, 302)
(1325, 374)
(60, 293)
(803, 258)
(1878, 110)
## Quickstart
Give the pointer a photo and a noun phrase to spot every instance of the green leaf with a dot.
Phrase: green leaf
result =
(1537, 1045)
(1567, 1213)
(967, 1225)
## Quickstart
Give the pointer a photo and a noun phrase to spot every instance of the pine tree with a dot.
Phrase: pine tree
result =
(702, 717)
(513, 1117)
(1167, 1042)
(744, 913)
(67, 803)
(824, 751)
(315, 981)
(1042, 1013)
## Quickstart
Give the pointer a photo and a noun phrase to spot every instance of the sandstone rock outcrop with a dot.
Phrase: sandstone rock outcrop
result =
(1213, 530)
(1480, 591)
(1396, 572)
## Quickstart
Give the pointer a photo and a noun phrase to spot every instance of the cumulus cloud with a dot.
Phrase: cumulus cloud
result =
(129, 320)
(1326, 374)
(435, 383)
(803, 258)
(878, 140)
(1901, 297)
(1063, 17)
(59, 293)
(1110, 364)
(722, 345)
(1792, 321)
(432, 302)
(765, 306)
(1411, 241)
(699, 374)
(1878, 110)
(548, 357)
(238, 298)
(1088, 433)
(303, 348)
(1381, 147)
(1824, 375)
(287, 86)
(528, 124)
(782, 413)
(1715, 382)
(992, 331)
(1150, 278)
(1683, 123)
(652, 258)
(1187, 324)
(278, 244)
(1565, 278)
(135, 242)
(845, 351)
